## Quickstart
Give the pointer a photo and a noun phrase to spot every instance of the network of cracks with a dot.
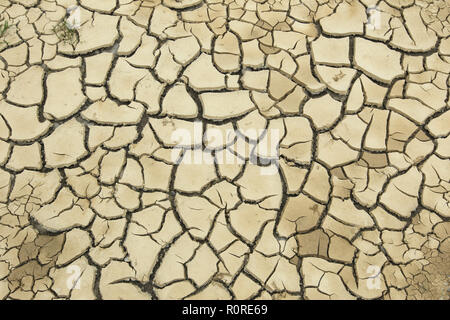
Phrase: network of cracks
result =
(134, 158)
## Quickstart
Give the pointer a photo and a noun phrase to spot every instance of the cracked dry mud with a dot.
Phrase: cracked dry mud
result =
(93, 205)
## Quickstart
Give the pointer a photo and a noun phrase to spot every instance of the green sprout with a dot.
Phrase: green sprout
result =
(4, 26)
(65, 33)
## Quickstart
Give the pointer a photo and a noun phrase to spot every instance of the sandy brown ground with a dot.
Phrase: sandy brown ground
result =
(93, 203)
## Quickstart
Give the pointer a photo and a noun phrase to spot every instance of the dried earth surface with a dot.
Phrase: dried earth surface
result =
(100, 198)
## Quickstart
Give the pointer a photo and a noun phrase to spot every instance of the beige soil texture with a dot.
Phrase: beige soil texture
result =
(99, 199)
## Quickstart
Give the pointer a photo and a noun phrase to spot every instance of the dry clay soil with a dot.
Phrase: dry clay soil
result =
(99, 201)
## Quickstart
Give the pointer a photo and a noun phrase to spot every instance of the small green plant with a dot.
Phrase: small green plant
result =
(65, 33)
(5, 25)
(3, 28)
